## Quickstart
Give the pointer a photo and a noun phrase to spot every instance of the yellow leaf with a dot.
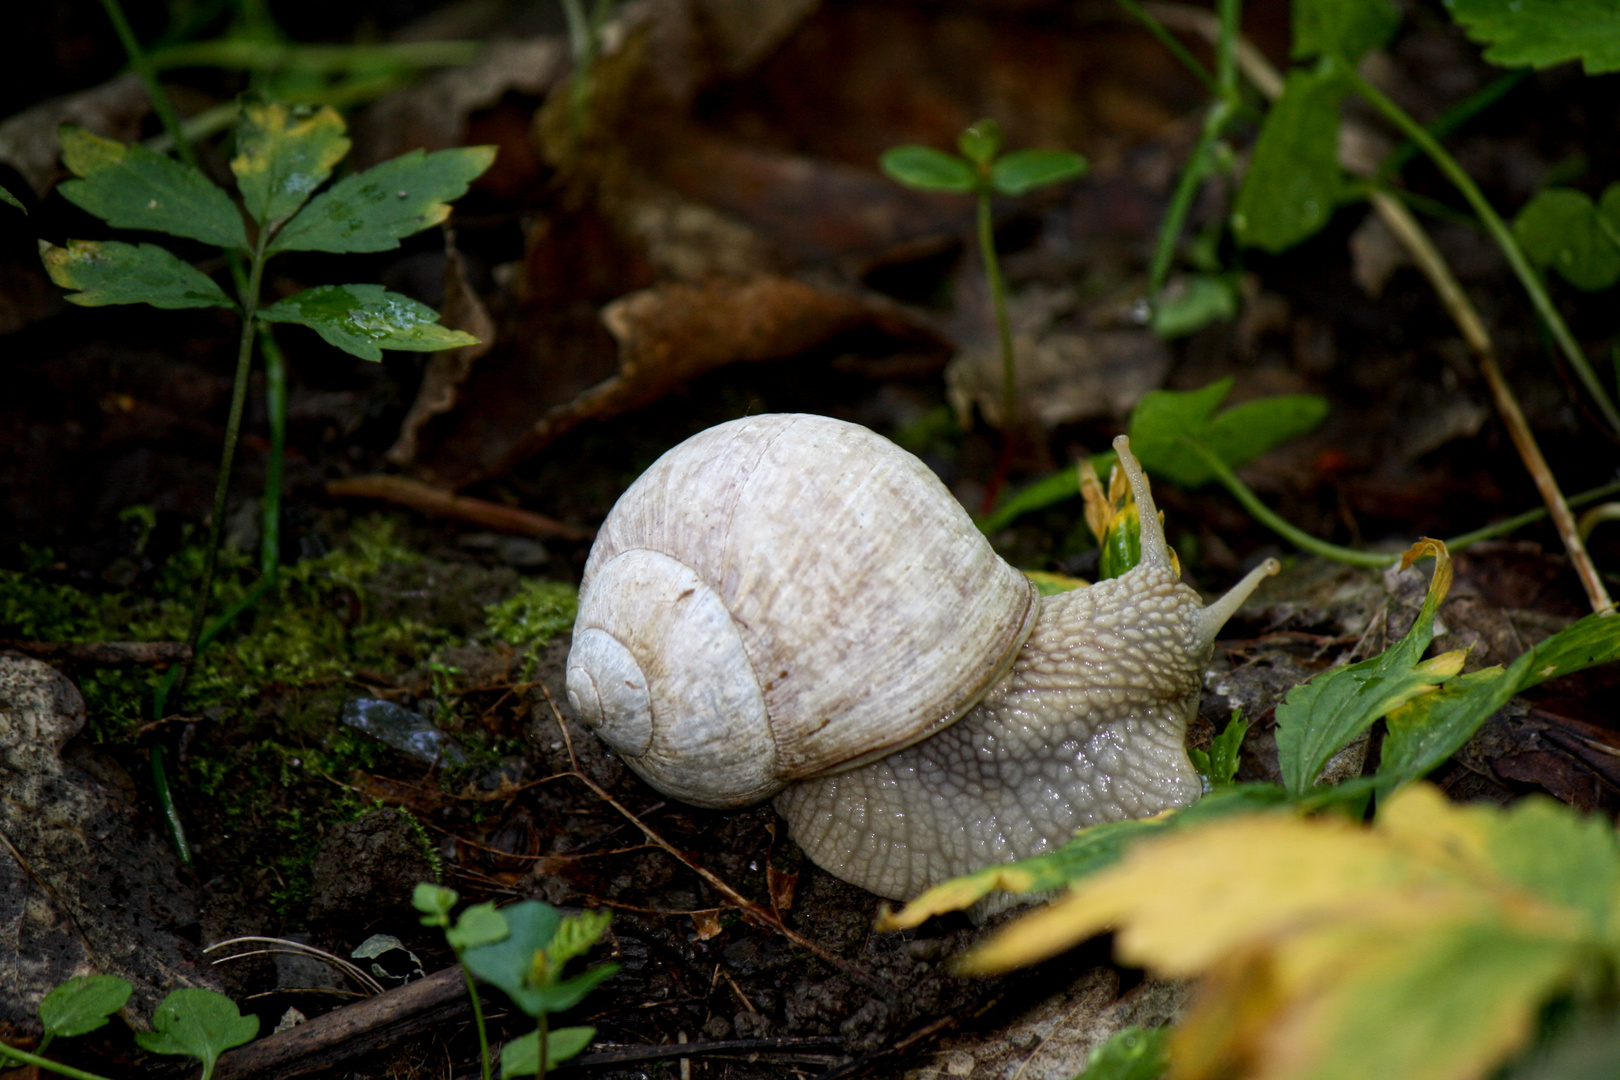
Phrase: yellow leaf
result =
(956, 894)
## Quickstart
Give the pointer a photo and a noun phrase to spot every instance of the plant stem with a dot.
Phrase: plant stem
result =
(171, 813)
(1454, 118)
(1172, 45)
(1277, 524)
(233, 430)
(1529, 517)
(478, 1019)
(1219, 115)
(275, 395)
(998, 299)
(1500, 232)
(541, 1075)
(1192, 175)
(154, 91)
(7, 1050)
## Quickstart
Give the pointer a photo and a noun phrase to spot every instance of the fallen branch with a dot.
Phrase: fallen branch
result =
(107, 653)
(755, 913)
(438, 502)
(351, 1032)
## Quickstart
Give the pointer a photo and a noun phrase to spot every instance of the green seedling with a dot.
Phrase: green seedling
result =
(528, 966)
(284, 156)
(191, 1022)
(983, 172)
(1220, 762)
(477, 926)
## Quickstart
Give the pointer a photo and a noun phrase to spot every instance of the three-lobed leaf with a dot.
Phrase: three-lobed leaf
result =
(1424, 946)
(1165, 420)
(113, 272)
(131, 187)
(374, 210)
(1562, 228)
(1293, 180)
(1540, 33)
(284, 153)
(82, 1004)
(1346, 28)
(197, 1023)
(927, 169)
(365, 319)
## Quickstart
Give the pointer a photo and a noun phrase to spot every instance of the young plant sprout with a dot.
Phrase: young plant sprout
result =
(983, 171)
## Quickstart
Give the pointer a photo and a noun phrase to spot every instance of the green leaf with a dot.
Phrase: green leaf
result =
(1559, 227)
(6, 196)
(1293, 180)
(82, 1005)
(1221, 761)
(1047, 491)
(365, 319)
(1583, 644)
(1131, 1053)
(1425, 732)
(981, 142)
(1562, 856)
(927, 169)
(130, 187)
(506, 964)
(112, 272)
(373, 210)
(1092, 849)
(576, 935)
(283, 154)
(1193, 302)
(200, 1024)
(1026, 170)
(560, 997)
(521, 1057)
(1121, 547)
(1458, 999)
(1540, 33)
(1317, 720)
(1165, 420)
(1346, 28)
(479, 925)
(434, 902)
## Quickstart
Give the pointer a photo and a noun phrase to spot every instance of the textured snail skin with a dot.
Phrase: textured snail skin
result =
(1088, 727)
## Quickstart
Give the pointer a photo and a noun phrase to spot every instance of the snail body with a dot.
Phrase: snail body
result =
(791, 605)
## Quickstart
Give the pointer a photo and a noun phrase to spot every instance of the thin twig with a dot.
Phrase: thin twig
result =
(440, 503)
(1258, 70)
(753, 912)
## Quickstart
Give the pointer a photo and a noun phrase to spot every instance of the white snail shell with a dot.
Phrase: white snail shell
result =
(791, 598)
(750, 616)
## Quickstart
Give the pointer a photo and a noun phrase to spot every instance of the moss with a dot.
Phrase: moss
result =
(267, 774)
(536, 613)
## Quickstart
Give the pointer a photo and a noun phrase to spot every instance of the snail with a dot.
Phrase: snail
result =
(793, 606)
